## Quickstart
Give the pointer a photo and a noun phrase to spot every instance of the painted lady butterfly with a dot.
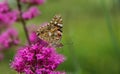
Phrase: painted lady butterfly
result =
(52, 32)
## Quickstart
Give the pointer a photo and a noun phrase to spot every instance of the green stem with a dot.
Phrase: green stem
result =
(109, 25)
(23, 21)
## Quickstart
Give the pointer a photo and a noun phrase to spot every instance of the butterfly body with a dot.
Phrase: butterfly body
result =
(52, 32)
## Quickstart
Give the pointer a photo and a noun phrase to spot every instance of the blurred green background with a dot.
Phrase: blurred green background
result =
(91, 35)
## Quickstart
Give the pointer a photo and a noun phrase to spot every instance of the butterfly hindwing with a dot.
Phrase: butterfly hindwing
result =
(52, 32)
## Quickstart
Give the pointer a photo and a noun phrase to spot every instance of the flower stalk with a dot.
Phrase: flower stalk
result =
(23, 21)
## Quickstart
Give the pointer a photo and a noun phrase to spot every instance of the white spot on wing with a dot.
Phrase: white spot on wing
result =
(55, 22)
(49, 33)
(60, 25)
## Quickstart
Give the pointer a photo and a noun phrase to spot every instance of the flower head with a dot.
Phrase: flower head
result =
(32, 37)
(8, 19)
(4, 7)
(34, 2)
(7, 15)
(31, 13)
(37, 58)
(8, 38)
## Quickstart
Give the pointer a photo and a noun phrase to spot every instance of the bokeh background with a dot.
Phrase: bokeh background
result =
(91, 35)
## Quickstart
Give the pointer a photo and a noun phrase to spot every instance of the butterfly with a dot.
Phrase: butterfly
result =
(52, 32)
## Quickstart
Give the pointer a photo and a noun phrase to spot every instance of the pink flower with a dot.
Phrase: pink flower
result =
(47, 71)
(32, 36)
(8, 38)
(8, 19)
(32, 32)
(34, 2)
(31, 13)
(37, 59)
(13, 16)
(4, 7)
(7, 15)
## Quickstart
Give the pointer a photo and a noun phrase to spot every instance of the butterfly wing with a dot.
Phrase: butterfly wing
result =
(52, 32)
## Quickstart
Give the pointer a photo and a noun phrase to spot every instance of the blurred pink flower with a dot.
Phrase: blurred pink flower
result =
(8, 19)
(7, 15)
(31, 13)
(34, 2)
(8, 38)
(13, 16)
(37, 59)
(4, 7)
(32, 37)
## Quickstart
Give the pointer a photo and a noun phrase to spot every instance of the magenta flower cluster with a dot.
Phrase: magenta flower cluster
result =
(7, 16)
(34, 2)
(8, 38)
(37, 59)
(4, 7)
(8, 35)
(31, 13)
(32, 37)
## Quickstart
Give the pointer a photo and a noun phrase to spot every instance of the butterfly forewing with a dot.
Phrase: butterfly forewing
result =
(52, 32)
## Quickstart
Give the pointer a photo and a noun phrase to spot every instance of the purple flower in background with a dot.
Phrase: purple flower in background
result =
(34, 2)
(8, 19)
(7, 15)
(4, 7)
(37, 59)
(12, 16)
(8, 38)
(32, 37)
(31, 13)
